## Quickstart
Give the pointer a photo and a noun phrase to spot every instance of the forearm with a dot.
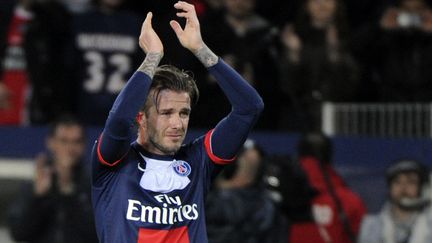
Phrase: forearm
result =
(119, 127)
(206, 56)
(150, 64)
(132, 97)
(232, 131)
(243, 97)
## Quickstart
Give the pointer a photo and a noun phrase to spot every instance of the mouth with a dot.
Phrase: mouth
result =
(175, 136)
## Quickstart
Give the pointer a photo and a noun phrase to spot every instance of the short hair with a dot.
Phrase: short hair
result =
(65, 120)
(316, 144)
(168, 77)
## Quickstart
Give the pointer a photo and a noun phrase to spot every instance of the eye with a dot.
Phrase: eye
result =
(184, 114)
(165, 113)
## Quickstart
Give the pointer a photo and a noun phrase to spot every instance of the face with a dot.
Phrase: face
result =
(239, 8)
(67, 145)
(163, 129)
(321, 10)
(405, 185)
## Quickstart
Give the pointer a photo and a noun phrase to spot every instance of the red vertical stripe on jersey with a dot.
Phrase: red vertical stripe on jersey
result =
(178, 235)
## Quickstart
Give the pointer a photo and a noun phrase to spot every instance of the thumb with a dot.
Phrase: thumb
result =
(176, 27)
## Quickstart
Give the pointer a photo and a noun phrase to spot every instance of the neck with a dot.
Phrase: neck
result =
(320, 24)
(152, 148)
(401, 214)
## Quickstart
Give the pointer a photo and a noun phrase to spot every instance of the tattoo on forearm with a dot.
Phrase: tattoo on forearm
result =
(150, 63)
(206, 56)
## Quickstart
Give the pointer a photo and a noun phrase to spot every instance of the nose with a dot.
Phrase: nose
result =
(176, 121)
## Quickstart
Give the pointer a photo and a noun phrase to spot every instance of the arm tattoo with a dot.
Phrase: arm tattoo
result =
(206, 56)
(150, 63)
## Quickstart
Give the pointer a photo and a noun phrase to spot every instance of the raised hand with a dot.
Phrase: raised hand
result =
(190, 36)
(43, 176)
(149, 41)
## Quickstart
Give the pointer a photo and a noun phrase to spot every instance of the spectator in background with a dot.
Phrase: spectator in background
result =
(57, 207)
(14, 83)
(245, 40)
(34, 46)
(107, 53)
(239, 209)
(407, 216)
(402, 57)
(336, 210)
(316, 64)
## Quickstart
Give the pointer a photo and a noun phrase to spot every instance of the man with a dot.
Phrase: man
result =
(57, 207)
(153, 190)
(407, 217)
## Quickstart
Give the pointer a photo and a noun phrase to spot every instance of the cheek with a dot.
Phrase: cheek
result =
(395, 190)
(413, 190)
(186, 122)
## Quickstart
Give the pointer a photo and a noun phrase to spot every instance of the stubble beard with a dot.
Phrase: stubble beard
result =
(164, 149)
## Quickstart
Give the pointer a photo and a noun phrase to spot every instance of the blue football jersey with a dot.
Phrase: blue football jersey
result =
(146, 197)
(143, 197)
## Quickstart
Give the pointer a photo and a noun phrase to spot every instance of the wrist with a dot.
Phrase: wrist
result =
(206, 56)
(196, 49)
(150, 63)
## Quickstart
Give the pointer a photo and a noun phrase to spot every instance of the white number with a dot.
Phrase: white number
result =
(95, 70)
(116, 81)
(120, 64)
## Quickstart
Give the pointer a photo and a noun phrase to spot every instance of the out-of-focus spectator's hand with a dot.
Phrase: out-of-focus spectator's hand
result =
(389, 19)
(149, 41)
(292, 43)
(427, 21)
(64, 171)
(290, 39)
(189, 36)
(4, 96)
(332, 36)
(43, 176)
(332, 39)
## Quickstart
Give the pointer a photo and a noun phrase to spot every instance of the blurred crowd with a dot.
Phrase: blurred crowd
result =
(260, 198)
(303, 199)
(74, 56)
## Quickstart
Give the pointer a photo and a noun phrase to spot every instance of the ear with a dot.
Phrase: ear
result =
(141, 119)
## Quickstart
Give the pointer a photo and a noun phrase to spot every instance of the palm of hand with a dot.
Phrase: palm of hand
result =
(149, 41)
(190, 37)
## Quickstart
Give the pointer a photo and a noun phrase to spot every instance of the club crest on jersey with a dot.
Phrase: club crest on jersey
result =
(182, 168)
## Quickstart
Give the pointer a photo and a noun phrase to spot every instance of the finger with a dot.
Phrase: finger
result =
(41, 161)
(176, 27)
(182, 14)
(147, 22)
(184, 6)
